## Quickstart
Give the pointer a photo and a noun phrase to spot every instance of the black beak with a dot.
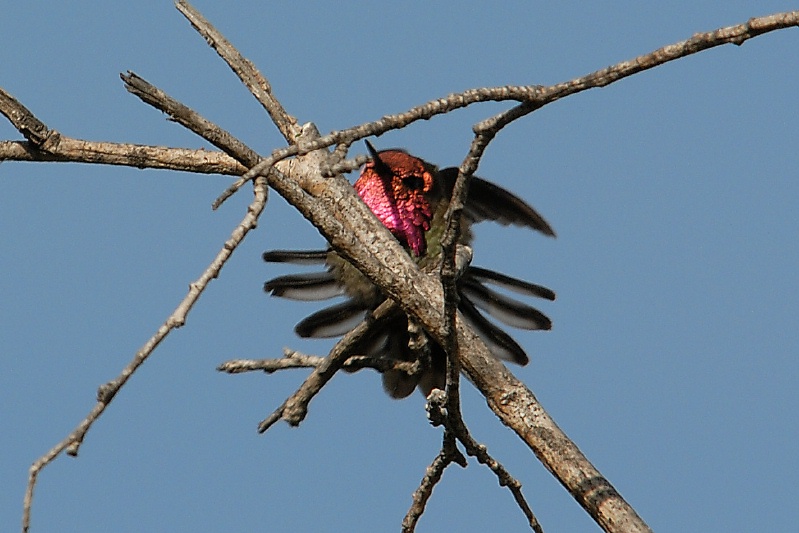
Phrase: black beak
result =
(380, 167)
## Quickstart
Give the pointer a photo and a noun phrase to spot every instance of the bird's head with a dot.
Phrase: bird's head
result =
(398, 188)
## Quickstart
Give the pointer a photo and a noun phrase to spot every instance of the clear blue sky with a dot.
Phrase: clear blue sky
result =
(673, 360)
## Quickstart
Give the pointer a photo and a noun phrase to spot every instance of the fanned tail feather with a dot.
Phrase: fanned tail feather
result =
(333, 321)
(507, 310)
(296, 257)
(501, 345)
(313, 286)
(509, 283)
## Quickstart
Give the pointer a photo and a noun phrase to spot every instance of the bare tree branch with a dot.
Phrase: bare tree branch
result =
(188, 118)
(531, 96)
(449, 454)
(451, 416)
(106, 392)
(45, 144)
(439, 412)
(295, 359)
(355, 234)
(244, 69)
(295, 408)
(536, 96)
(71, 150)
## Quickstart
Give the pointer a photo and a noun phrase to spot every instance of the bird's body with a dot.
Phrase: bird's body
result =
(410, 196)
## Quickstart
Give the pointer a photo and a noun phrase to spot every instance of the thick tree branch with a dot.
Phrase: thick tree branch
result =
(356, 235)
(294, 408)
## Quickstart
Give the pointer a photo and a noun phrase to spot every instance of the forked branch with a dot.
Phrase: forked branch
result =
(334, 208)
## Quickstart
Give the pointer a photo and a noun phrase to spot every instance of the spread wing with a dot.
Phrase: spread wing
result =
(487, 201)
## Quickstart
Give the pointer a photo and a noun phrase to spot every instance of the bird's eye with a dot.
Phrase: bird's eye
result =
(414, 183)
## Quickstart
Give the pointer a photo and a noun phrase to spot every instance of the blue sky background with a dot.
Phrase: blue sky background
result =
(673, 360)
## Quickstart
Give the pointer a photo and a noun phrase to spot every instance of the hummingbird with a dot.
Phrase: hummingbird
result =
(410, 196)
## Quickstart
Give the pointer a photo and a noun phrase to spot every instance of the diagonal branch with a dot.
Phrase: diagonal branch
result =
(105, 394)
(244, 69)
(448, 454)
(295, 408)
(534, 97)
(531, 97)
(340, 216)
(189, 118)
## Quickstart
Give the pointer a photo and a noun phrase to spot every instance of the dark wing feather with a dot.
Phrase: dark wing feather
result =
(487, 201)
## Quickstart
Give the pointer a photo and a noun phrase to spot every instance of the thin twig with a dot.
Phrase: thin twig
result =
(537, 96)
(189, 118)
(249, 75)
(449, 453)
(512, 402)
(423, 493)
(106, 392)
(473, 448)
(484, 134)
(532, 96)
(294, 359)
(452, 417)
(449, 274)
(439, 413)
(455, 426)
(295, 407)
